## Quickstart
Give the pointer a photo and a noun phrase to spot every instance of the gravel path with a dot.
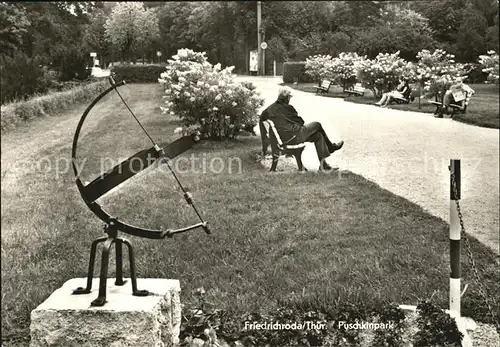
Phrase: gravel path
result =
(408, 153)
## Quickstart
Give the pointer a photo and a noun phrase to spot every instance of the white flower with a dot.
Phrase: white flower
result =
(177, 130)
(222, 83)
(215, 109)
(234, 104)
(192, 99)
(229, 92)
(187, 94)
(218, 97)
(227, 117)
(162, 81)
(172, 113)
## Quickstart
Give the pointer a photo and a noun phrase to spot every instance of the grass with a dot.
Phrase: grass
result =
(52, 103)
(483, 109)
(302, 240)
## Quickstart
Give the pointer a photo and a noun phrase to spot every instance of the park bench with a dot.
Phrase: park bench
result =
(461, 101)
(356, 90)
(270, 136)
(406, 99)
(324, 87)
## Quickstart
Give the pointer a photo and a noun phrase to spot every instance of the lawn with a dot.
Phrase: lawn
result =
(483, 109)
(301, 240)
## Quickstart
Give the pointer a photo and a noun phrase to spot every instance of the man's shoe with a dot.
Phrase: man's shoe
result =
(337, 146)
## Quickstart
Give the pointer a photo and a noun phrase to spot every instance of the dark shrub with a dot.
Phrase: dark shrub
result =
(295, 71)
(476, 74)
(131, 73)
(73, 64)
(21, 77)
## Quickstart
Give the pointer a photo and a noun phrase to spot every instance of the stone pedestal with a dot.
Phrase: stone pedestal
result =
(125, 320)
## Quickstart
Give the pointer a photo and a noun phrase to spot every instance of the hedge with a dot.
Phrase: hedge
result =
(132, 73)
(50, 104)
(295, 70)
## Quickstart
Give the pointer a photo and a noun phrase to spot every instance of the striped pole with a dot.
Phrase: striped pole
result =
(454, 239)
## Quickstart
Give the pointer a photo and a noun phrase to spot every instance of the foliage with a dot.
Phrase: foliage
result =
(295, 71)
(137, 73)
(391, 337)
(437, 71)
(50, 104)
(207, 97)
(405, 31)
(94, 38)
(13, 24)
(130, 27)
(471, 36)
(344, 69)
(73, 64)
(21, 77)
(341, 70)
(383, 73)
(489, 63)
(436, 328)
(317, 67)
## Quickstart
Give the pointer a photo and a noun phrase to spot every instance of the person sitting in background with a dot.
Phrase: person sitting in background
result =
(457, 94)
(291, 127)
(401, 92)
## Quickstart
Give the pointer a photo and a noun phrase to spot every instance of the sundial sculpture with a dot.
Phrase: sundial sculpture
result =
(109, 180)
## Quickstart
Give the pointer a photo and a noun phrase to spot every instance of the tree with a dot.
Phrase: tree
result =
(148, 32)
(397, 30)
(13, 24)
(471, 36)
(94, 37)
(125, 27)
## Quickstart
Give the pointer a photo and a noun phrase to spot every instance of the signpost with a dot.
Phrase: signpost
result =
(93, 55)
(263, 45)
(254, 61)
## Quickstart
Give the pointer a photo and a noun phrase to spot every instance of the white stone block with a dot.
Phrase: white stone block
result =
(125, 320)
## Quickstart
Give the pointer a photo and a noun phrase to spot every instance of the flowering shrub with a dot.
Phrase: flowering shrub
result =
(490, 65)
(207, 98)
(317, 67)
(437, 71)
(382, 73)
(344, 69)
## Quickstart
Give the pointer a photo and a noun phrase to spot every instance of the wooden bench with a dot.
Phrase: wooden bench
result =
(324, 87)
(459, 106)
(270, 136)
(356, 90)
(406, 99)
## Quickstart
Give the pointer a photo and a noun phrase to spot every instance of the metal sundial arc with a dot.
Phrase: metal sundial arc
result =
(123, 171)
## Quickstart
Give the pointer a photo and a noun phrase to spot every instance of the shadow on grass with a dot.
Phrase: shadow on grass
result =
(483, 110)
(306, 240)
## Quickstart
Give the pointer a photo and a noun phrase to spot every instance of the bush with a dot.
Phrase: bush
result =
(436, 328)
(73, 65)
(490, 65)
(382, 73)
(317, 67)
(207, 98)
(295, 71)
(50, 104)
(437, 71)
(22, 77)
(131, 73)
(344, 69)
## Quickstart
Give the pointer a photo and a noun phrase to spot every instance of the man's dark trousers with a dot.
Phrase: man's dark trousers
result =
(314, 132)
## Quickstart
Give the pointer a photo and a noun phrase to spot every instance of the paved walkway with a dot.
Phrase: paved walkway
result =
(408, 153)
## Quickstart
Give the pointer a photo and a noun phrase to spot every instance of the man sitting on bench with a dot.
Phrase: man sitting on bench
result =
(291, 127)
(457, 94)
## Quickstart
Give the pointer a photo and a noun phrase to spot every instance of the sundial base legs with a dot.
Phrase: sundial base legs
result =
(103, 278)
